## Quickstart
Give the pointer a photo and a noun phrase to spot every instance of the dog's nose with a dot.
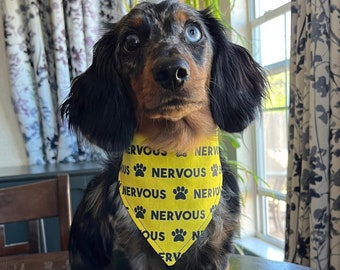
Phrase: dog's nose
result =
(171, 73)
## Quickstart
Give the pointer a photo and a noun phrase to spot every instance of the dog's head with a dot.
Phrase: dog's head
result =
(169, 72)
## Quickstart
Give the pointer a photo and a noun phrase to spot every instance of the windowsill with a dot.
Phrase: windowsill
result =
(257, 247)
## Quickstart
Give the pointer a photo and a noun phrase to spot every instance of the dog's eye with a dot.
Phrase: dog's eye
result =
(132, 42)
(192, 33)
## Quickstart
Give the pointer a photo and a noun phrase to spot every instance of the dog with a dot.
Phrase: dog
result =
(169, 73)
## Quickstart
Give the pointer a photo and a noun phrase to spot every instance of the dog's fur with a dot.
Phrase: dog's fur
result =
(149, 76)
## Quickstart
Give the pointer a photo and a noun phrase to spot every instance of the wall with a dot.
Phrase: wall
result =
(12, 150)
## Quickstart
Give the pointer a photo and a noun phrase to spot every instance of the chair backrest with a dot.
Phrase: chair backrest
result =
(32, 202)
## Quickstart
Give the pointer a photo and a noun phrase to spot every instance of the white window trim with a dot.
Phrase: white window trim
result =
(257, 247)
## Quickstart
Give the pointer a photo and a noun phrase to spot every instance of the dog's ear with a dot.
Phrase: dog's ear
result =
(99, 105)
(238, 83)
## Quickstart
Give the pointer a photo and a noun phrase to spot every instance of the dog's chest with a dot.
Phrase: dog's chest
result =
(171, 196)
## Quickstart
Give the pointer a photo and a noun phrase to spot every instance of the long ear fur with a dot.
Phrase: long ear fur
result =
(99, 104)
(238, 83)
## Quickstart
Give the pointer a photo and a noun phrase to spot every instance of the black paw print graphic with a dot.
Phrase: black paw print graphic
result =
(214, 169)
(179, 235)
(139, 211)
(180, 193)
(139, 169)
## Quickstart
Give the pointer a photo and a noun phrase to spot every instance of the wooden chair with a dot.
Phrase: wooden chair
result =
(32, 202)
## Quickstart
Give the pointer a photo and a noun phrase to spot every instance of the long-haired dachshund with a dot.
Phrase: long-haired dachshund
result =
(163, 80)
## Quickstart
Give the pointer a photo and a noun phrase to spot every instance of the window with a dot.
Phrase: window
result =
(270, 24)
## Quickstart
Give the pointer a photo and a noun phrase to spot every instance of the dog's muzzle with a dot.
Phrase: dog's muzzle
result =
(171, 73)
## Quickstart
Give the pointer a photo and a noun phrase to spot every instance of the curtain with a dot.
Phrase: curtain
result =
(313, 194)
(48, 43)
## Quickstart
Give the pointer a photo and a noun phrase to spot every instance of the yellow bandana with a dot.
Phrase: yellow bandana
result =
(171, 196)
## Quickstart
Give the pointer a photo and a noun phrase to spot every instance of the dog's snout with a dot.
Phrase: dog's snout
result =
(171, 73)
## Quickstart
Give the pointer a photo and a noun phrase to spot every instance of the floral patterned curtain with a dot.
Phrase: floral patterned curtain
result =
(313, 197)
(48, 43)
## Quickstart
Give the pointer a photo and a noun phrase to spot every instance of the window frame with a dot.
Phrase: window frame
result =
(262, 191)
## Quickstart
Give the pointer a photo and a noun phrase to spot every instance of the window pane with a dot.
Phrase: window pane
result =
(277, 97)
(263, 6)
(275, 217)
(288, 33)
(273, 41)
(276, 152)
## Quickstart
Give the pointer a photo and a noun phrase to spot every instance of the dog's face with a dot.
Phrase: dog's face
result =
(170, 51)
(169, 72)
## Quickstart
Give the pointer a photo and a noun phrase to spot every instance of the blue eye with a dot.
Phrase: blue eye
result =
(193, 33)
